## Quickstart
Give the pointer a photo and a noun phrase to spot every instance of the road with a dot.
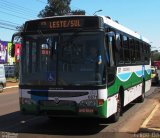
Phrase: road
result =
(13, 124)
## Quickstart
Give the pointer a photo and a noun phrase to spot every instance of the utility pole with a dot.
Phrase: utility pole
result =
(96, 12)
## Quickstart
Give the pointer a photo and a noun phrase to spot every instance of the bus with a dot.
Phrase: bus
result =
(58, 78)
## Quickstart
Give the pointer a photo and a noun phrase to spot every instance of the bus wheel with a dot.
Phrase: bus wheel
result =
(115, 117)
(142, 97)
(1, 88)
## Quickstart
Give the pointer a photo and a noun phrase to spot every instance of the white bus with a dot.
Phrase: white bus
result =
(58, 77)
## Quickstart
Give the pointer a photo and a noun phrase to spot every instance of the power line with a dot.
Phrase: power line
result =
(13, 15)
(9, 22)
(9, 6)
(7, 28)
(13, 10)
(17, 10)
(22, 8)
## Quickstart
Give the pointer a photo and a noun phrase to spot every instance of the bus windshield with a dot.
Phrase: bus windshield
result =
(62, 59)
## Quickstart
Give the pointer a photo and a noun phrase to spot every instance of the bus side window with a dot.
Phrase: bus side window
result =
(132, 47)
(126, 49)
(121, 52)
(110, 52)
(110, 46)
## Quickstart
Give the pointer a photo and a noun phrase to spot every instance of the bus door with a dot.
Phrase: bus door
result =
(110, 57)
(40, 61)
(49, 57)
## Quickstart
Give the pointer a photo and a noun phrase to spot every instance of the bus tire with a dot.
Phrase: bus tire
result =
(142, 97)
(1, 88)
(115, 116)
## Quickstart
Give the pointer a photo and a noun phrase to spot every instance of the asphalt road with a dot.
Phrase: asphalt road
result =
(13, 124)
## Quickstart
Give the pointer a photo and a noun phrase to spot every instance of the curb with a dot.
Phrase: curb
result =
(144, 127)
(10, 87)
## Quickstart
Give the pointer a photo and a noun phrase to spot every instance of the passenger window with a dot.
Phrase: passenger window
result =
(110, 44)
(126, 49)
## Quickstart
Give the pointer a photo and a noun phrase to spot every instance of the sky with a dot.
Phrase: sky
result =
(141, 16)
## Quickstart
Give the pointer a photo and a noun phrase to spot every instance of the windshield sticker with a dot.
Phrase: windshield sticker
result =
(51, 77)
(99, 59)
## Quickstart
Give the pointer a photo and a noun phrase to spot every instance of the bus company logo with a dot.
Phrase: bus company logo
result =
(50, 77)
(56, 100)
(126, 69)
(119, 70)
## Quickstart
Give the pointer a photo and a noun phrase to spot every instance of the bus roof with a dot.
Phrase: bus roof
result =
(114, 24)
(107, 21)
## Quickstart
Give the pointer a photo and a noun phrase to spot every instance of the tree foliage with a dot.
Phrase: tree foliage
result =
(155, 56)
(78, 12)
(55, 7)
(58, 8)
(20, 28)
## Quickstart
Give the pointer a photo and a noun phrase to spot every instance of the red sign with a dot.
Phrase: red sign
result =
(17, 51)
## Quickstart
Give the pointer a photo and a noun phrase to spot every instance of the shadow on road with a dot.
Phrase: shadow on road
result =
(17, 123)
(26, 124)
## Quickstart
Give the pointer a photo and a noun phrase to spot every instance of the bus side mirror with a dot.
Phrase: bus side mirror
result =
(16, 38)
(12, 50)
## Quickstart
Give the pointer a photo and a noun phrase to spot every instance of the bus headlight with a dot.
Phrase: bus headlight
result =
(26, 101)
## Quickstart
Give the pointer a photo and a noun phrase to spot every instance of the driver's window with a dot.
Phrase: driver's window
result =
(110, 42)
(110, 52)
(110, 46)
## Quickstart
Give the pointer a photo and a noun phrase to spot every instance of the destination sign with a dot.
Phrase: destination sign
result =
(63, 23)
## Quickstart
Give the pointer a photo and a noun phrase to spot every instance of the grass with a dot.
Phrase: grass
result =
(11, 79)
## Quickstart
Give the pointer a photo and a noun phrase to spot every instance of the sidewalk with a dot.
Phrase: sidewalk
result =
(11, 84)
(152, 122)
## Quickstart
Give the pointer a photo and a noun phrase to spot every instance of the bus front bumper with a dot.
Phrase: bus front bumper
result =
(85, 108)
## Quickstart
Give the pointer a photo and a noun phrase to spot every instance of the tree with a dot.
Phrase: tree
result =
(78, 12)
(20, 28)
(58, 8)
(155, 56)
(55, 7)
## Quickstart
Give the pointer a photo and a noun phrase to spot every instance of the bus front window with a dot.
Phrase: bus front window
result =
(39, 60)
(80, 59)
(62, 59)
